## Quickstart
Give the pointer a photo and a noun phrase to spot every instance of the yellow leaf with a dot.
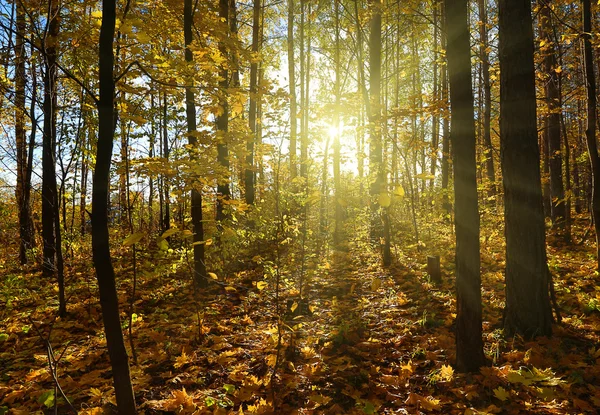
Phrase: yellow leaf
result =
(501, 393)
(133, 238)
(181, 360)
(97, 14)
(261, 285)
(294, 306)
(399, 191)
(384, 199)
(375, 284)
(447, 373)
(213, 275)
(169, 232)
(230, 289)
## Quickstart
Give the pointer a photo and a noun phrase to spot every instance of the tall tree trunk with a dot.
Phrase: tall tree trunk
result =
(305, 60)
(190, 110)
(337, 233)
(292, 86)
(25, 220)
(376, 167)
(50, 207)
(435, 120)
(252, 110)
(487, 101)
(223, 191)
(552, 119)
(469, 343)
(528, 311)
(166, 188)
(446, 206)
(590, 130)
(100, 238)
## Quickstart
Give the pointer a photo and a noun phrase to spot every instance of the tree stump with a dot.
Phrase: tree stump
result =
(433, 269)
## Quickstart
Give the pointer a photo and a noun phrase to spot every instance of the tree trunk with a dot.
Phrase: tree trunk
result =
(337, 233)
(446, 206)
(469, 343)
(223, 191)
(252, 110)
(100, 236)
(375, 147)
(190, 106)
(292, 86)
(528, 311)
(590, 130)
(487, 101)
(552, 119)
(25, 220)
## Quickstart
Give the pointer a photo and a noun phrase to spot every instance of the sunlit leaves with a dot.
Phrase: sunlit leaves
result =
(133, 239)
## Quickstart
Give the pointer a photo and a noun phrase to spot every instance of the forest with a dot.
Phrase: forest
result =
(299, 207)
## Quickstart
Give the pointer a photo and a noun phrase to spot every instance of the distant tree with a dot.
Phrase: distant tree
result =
(552, 118)
(528, 310)
(469, 343)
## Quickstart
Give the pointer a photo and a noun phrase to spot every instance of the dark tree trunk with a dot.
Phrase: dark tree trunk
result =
(590, 130)
(249, 173)
(22, 191)
(469, 343)
(223, 191)
(375, 147)
(50, 207)
(166, 219)
(337, 233)
(292, 86)
(552, 120)
(528, 311)
(446, 206)
(487, 101)
(190, 106)
(100, 236)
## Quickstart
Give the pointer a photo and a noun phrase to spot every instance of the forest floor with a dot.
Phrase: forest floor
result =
(368, 341)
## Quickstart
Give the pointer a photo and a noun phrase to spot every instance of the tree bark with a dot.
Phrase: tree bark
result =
(552, 119)
(100, 237)
(469, 343)
(223, 191)
(590, 130)
(252, 110)
(190, 106)
(487, 100)
(528, 310)
(292, 86)
(22, 190)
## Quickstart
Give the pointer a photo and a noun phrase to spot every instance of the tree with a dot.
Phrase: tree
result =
(23, 190)
(222, 121)
(469, 344)
(487, 100)
(528, 310)
(590, 129)
(105, 273)
(552, 119)
(253, 107)
(292, 87)
(190, 111)
(53, 261)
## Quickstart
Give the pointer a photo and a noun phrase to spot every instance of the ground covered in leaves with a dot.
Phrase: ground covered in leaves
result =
(367, 340)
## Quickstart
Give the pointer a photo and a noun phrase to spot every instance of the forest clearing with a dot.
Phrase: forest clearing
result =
(299, 207)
